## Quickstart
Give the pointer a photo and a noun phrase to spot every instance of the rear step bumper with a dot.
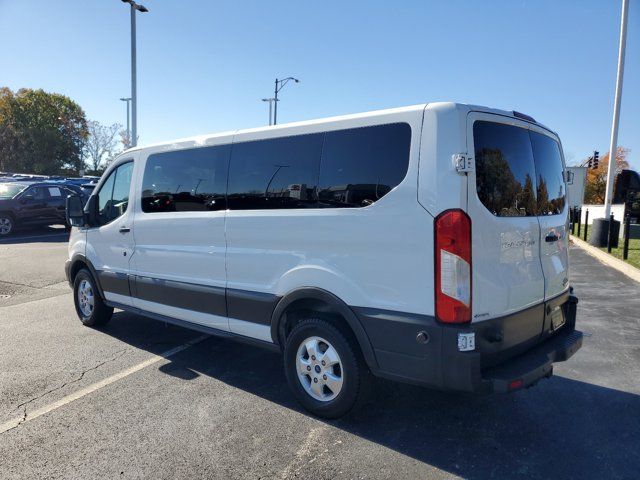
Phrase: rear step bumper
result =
(510, 352)
(537, 363)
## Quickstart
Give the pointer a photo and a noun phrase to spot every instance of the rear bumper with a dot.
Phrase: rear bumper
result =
(510, 352)
(526, 369)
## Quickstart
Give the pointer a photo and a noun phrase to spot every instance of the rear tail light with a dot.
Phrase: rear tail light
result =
(515, 384)
(453, 266)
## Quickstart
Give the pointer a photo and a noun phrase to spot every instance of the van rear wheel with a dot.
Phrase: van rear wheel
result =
(324, 369)
(90, 308)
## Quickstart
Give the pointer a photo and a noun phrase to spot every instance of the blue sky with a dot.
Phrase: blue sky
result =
(204, 65)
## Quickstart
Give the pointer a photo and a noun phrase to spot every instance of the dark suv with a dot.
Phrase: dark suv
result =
(30, 204)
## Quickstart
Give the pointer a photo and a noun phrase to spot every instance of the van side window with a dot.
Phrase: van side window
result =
(275, 173)
(113, 197)
(361, 165)
(548, 161)
(505, 171)
(190, 180)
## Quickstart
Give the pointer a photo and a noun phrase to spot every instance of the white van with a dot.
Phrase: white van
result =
(425, 244)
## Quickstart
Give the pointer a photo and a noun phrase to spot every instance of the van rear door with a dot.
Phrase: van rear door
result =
(507, 269)
(552, 211)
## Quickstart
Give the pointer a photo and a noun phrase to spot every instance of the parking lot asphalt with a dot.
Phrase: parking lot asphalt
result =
(139, 399)
(30, 265)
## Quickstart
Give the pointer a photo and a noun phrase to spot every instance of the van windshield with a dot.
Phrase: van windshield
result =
(518, 172)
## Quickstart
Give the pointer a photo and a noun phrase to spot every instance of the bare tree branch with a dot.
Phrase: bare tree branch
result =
(102, 145)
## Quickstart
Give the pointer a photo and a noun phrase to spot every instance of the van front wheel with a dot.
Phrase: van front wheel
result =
(89, 306)
(324, 369)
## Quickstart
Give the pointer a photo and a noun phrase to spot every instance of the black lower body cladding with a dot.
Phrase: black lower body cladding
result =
(405, 347)
(521, 346)
(199, 298)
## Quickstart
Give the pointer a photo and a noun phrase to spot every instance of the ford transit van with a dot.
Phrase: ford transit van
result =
(425, 244)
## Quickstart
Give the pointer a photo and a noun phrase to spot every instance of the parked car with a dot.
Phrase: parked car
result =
(28, 177)
(425, 244)
(82, 189)
(81, 180)
(32, 203)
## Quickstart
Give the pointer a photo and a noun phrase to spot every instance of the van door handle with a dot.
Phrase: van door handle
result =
(124, 230)
(552, 237)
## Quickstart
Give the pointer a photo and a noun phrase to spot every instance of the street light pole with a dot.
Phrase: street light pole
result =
(279, 86)
(134, 89)
(616, 110)
(275, 116)
(128, 125)
(134, 81)
(278, 168)
(270, 100)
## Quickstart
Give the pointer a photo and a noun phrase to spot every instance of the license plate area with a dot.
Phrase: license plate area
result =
(557, 318)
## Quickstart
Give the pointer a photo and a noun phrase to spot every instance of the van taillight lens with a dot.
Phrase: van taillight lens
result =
(453, 266)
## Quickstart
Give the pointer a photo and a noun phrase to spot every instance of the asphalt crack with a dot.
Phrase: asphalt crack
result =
(306, 453)
(24, 405)
(27, 285)
(27, 299)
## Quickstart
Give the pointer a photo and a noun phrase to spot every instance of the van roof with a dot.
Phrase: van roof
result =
(201, 139)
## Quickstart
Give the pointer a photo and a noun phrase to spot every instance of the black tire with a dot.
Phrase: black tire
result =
(7, 224)
(100, 313)
(354, 371)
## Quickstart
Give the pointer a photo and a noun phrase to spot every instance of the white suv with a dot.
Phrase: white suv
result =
(425, 244)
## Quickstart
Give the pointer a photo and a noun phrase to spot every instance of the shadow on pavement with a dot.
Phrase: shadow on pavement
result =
(36, 235)
(561, 428)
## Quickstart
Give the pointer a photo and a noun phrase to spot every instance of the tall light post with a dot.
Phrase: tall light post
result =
(134, 89)
(603, 229)
(616, 110)
(271, 101)
(128, 125)
(279, 86)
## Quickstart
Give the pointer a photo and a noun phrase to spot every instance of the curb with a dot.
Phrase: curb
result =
(609, 260)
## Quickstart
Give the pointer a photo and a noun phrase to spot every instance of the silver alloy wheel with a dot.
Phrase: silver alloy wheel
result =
(85, 298)
(319, 369)
(6, 225)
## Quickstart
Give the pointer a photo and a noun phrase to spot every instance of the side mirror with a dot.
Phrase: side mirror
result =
(75, 213)
(26, 198)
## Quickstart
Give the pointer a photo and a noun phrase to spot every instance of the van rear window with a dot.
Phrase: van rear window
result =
(518, 172)
(550, 184)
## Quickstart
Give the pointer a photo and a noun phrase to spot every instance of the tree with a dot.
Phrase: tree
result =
(101, 145)
(125, 139)
(596, 186)
(40, 132)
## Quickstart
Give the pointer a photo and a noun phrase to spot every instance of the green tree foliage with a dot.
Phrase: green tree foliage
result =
(498, 188)
(40, 132)
(527, 197)
(543, 203)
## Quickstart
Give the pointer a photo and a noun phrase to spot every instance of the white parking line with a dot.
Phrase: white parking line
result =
(11, 424)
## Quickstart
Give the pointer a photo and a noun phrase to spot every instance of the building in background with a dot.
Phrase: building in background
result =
(575, 187)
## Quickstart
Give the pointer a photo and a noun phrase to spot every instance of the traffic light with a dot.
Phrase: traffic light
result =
(590, 163)
(596, 159)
